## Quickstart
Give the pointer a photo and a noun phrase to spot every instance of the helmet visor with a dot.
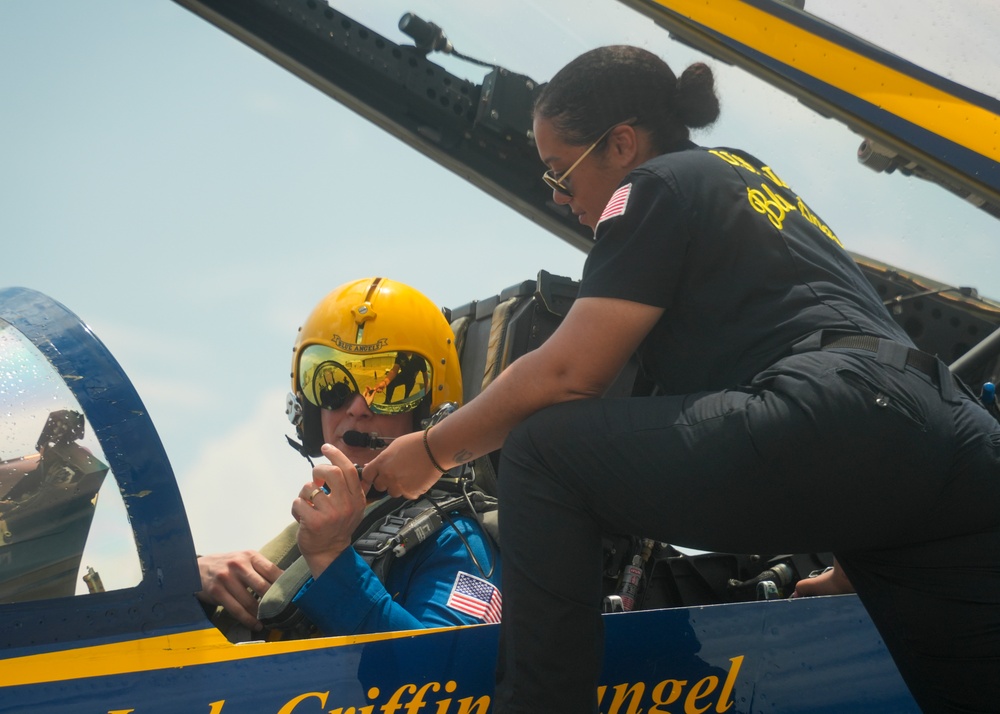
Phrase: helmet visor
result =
(390, 382)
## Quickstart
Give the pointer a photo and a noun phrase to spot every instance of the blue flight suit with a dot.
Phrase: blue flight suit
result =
(349, 599)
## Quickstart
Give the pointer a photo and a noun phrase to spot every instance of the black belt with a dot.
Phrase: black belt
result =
(921, 361)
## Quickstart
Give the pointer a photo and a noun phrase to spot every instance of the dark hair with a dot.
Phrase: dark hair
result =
(615, 83)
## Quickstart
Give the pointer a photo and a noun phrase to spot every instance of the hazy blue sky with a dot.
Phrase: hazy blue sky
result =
(192, 201)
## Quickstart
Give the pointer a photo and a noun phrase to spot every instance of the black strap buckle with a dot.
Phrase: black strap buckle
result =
(886, 351)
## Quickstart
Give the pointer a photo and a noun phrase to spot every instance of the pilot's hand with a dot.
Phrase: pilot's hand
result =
(236, 581)
(832, 581)
(327, 521)
(403, 468)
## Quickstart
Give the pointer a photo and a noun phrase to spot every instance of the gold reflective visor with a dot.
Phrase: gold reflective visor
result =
(390, 382)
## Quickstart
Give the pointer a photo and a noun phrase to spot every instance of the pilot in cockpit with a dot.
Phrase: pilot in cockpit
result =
(343, 412)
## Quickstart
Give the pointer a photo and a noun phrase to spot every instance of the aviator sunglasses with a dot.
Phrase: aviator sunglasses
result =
(558, 183)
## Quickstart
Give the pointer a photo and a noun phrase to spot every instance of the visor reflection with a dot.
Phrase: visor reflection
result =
(390, 382)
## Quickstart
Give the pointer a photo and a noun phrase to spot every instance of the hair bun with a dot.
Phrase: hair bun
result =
(698, 105)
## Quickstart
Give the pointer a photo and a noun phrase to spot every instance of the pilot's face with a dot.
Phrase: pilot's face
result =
(592, 180)
(354, 415)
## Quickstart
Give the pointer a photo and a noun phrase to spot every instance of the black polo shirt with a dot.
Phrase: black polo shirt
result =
(742, 266)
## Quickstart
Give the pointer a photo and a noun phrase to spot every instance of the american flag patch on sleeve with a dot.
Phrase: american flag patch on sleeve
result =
(616, 206)
(475, 596)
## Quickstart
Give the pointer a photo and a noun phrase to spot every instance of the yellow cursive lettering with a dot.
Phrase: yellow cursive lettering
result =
(676, 689)
(734, 160)
(701, 689)
(772, 205)
(725, 696)
(393, 705)
(292, 703)
(811, 217)
(444, 704)
(625, 698)
(634, 693)
(764, 200)
(767, 171)
(418, 703)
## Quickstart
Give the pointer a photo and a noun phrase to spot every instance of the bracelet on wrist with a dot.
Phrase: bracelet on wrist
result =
(427, 448)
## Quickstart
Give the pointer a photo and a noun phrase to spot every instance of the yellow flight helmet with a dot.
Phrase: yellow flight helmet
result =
(379, 338)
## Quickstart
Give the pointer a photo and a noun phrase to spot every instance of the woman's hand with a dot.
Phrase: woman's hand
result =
(403, 469)
(327, 521)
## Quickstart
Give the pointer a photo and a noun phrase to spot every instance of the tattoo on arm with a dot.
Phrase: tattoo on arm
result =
(463, 455)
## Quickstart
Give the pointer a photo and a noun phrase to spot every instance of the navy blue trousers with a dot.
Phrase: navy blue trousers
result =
(825, 451)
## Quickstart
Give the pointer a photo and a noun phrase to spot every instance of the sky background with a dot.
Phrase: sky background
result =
(192, 201)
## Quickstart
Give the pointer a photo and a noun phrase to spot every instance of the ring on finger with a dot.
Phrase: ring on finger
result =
(314, 492)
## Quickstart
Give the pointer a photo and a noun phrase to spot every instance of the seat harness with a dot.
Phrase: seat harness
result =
(390, 529)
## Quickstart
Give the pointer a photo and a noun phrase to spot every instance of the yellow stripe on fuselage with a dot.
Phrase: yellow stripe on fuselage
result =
(894, 91)
(184, 649)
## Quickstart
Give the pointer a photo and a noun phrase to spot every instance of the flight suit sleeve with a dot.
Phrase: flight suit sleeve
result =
(348, 598)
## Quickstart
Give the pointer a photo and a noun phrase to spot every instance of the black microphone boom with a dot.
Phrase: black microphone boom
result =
(366, 440)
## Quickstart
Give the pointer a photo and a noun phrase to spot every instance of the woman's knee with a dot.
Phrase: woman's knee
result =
(533, 452)
(526, 441)
(519, 458)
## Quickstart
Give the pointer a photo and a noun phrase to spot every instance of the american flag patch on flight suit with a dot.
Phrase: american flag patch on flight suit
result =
(475, 596)
(617, 203)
